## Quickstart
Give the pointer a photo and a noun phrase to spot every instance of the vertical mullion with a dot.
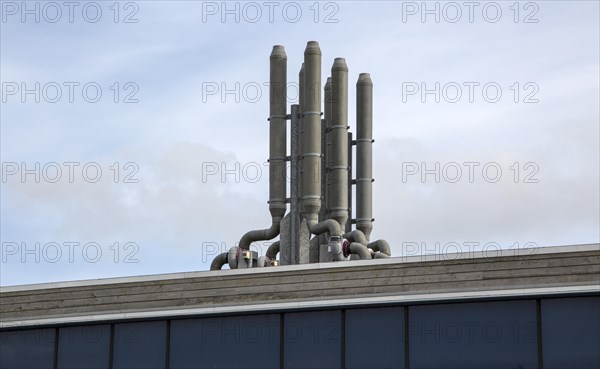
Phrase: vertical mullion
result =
(343, 339)
(281, 339)
(168, 345)
(406, 342)
(111, 347)
(538, 305)
(55, 365)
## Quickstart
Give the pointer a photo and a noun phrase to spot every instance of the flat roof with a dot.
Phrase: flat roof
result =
(491, 253)
(550, 271)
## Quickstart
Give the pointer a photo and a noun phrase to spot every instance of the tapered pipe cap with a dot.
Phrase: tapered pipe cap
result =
(364, 79)
(312, 47)
(339, 64)
(328, 83)
(278, 52)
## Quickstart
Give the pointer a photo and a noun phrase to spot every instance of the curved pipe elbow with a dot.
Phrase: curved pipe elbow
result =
(330, 225)
(273, 250)
(356, 236)
(361, 250)
(382, 246)
(219, 261)
(260, 234)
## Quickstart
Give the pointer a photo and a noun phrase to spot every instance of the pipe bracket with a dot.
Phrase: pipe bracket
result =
(278, 117)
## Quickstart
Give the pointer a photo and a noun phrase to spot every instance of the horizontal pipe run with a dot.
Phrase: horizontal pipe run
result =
(356, 236)
(360, 250)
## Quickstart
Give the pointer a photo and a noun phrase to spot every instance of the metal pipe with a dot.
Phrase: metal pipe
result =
(311, 146)
(327, 103)
(360, 250)
(356, 236)
(219, 261)
(277, 148)
(270, 257)
(380, 246)
(350, 164)
(364, 154)
(338, 163)
(277, 132)
(233, 257)
(273, 250)
(300, 136)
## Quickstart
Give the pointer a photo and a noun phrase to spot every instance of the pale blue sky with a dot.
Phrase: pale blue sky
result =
(171, 52)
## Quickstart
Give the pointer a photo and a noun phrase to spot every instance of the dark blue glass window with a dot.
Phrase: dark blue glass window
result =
(473, 335)
(250, 341)
(312, 340)
(84, 347)
(375, 338)
(27, 349)
(571, 332)
(140, 345)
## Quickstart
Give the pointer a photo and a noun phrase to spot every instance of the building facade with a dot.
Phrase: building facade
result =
(513, 309)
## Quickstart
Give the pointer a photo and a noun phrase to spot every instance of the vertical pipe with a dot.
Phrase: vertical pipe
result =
(323, 174)
(364, 154)
(350, 164)
(327, 103)
(277, 132)
(290, 246)
(277, 149)
(339, 142)
(300, 137)
(311, 150)
(311, 140)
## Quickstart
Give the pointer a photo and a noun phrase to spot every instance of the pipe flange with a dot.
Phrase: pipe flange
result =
(346, 247)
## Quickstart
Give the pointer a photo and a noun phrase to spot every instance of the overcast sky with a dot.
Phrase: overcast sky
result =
(508, 155)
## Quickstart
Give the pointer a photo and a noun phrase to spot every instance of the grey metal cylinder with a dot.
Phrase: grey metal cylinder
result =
(277, 149)
(273, 250)
(338, 167)
(311, 122)
(311, 147)
(219, 261)
(364, 154)
(301, 135)
(277, 131)
(356, 236)
(327, 151)
(360, 250)
(380, 246)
